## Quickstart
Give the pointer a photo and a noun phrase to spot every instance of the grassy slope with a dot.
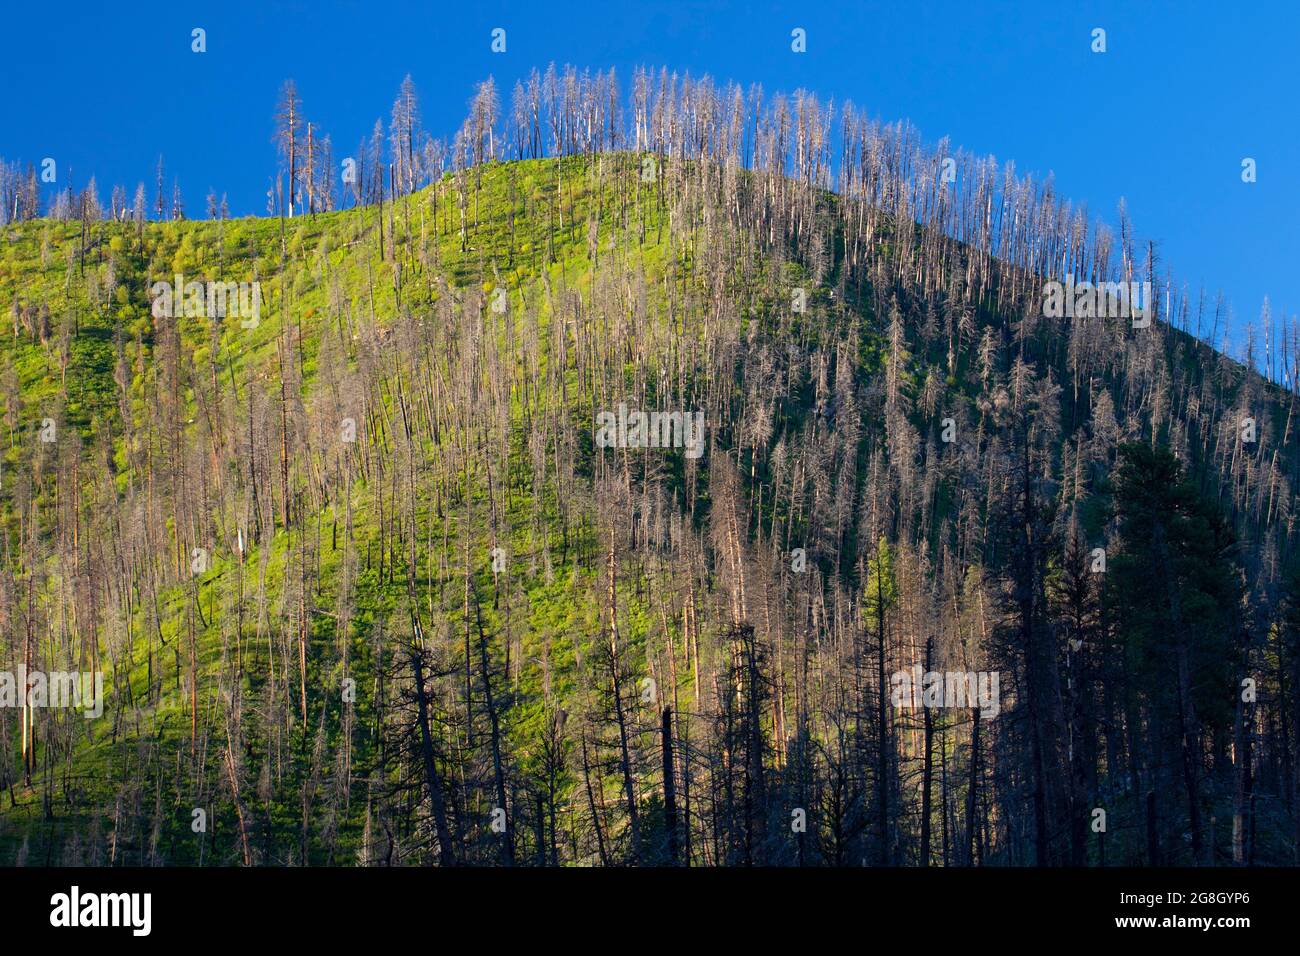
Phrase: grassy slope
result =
(519, 214)
(39, 264)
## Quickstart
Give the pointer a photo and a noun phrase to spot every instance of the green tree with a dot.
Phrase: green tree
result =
(1175, 591)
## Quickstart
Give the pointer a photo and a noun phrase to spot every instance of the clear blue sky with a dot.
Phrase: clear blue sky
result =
(1163, 118)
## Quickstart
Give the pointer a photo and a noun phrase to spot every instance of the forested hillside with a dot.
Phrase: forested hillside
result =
(368, 584)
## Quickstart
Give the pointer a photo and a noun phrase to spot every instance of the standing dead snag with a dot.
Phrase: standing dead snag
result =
(498, 769)
(927, 772)
(670, 789)
(591, 803)
(288, 127)
(232, 777)
(433, 780)
(625, 759)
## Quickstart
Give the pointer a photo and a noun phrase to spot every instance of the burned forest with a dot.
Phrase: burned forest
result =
(654, 472)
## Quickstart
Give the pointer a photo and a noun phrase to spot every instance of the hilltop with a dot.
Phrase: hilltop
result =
(369, 585)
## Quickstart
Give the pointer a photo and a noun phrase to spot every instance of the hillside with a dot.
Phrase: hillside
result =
(368, 585)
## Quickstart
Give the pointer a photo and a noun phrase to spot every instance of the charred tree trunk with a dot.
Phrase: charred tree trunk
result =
(432, 779)
(670, 787)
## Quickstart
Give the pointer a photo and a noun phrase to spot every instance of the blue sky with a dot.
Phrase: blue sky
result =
(1163, 118)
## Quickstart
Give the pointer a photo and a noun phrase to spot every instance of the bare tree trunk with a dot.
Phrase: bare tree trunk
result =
(973, 789)
(927, 770)
(507, 837)
(591, 803)
(625, 758)
(432, 779)
(670, 788)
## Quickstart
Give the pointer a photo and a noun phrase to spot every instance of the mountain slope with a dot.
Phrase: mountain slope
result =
(366, 587)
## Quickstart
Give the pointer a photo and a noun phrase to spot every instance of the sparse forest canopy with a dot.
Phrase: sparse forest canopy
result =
(366, 589)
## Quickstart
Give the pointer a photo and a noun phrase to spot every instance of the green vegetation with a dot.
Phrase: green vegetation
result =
(365, 590)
